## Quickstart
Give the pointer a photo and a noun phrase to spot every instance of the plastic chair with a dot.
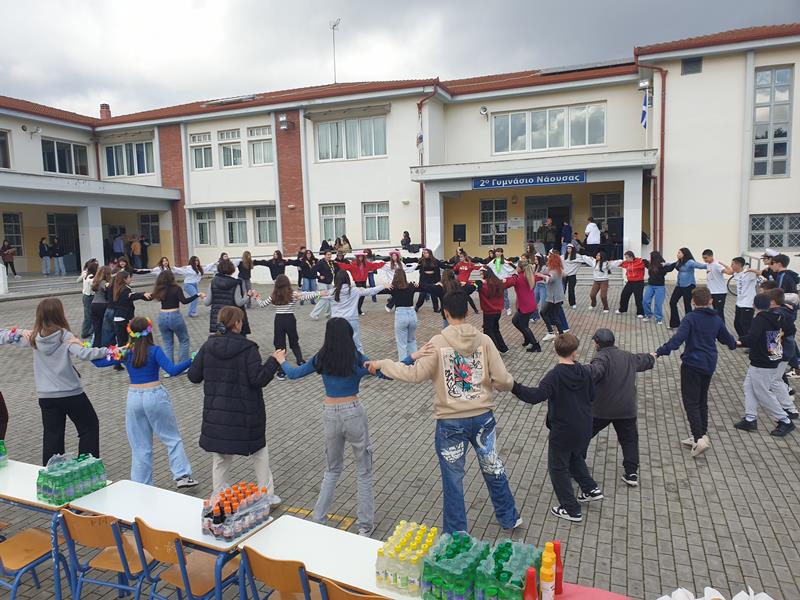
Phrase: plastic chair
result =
(22, 553)
(118, 553)
(189, 573)
(332, 591)
(286, 579)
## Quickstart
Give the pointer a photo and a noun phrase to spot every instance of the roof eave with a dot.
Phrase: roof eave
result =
(717, 49)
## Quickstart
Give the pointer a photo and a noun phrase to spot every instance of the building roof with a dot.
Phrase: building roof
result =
(42, 110)
(733, 36)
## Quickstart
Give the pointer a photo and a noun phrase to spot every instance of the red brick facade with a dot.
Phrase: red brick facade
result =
(171, 153)
(288, 147)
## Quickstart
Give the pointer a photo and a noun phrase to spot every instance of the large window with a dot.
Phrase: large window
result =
(260, 145)
(132, 158)
(775, 231)
(266, 225)
(547, 128)
(351, 138)
(376, 221)
(230, 155)
(12, 230)
(200, 144)
(235, 226)
(5, 151)
(206, 224)
(605, 206)
(332, 218)
(772, 121)
(494, 222)
(65, 157)
(148, 227)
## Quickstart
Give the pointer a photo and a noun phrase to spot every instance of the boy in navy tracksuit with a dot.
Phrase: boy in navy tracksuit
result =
(700, 329)
(569, 391)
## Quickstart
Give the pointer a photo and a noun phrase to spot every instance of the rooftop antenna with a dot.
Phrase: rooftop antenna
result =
(334, 25)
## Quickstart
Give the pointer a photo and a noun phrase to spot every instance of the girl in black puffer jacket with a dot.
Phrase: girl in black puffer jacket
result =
(234, 418)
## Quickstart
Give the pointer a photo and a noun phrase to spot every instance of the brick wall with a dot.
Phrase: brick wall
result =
(171, 153)
(290, 182)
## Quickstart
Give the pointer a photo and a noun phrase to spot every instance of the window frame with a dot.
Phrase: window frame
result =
(233, 146)
(498, 238)
(209, 219)
(603, 219)
(377, 215)
(5, 133)
(358, 151)
(566, 145)
(692, 65)
(201, 142)
(268, 219)
(72, 161)
(238, 219)
(20, 247)
(146, 224)
(264, 143)
(767, 231)
(771, 141)
(335, 217)
(130, 158)
(229, 135)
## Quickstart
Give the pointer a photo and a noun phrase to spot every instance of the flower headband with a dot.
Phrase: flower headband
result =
(137, 334)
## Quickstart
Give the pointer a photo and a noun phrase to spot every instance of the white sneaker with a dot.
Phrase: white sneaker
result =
(185, 482)
(659, 322)
(17, 276)
(618, 312)
(645, 319)
(701, 446)
(574, 306)
(508, 312)
(387, 309)
(688, 442)
(591, 307)
(640, 317)
(566, 330)
(548, 337)
(606, 310)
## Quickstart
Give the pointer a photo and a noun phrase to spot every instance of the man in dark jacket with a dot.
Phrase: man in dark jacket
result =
(701, 329)
(614, 374)
(234, 419)
(569, 391)
(326, 270)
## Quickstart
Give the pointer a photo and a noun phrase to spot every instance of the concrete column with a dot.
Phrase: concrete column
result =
(632, 212)
(3, 281)
(90, 233)
(434, 220)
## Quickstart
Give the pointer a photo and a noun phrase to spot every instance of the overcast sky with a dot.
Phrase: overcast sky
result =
(75, 54)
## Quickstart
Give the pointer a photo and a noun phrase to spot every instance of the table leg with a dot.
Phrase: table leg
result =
(58, 559)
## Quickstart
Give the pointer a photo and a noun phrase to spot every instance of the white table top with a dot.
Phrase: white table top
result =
(337, 555)
(18, 484)
(159, 508)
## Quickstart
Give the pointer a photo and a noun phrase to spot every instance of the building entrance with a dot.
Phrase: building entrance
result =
(64, 226)
(538, 208)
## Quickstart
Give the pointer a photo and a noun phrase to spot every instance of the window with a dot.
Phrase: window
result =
(64, 157)
(206, 223)
(376, 221)
(5, 152)
(235, 226)
(200, 138)
(605, 206)
(351, 138)
(228, 134)
(148, 227)
(263, 131)
(775, 231)
(230, 155)
(132, 158)
(266, 225)
(772, 121)
(494, 222)
(691, 66)
(333, 221)
(201, 150)
(549, 128)
(261, 152)
(12, 230)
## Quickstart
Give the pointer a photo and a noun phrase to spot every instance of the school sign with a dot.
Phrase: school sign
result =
(531, 179)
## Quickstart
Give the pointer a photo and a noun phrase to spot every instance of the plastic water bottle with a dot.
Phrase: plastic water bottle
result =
(380, 569)
(3, 454)
(402, 573)
(414, 576)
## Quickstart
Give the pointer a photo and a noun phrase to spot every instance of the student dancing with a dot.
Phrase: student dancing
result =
(685, 265)
(345, 302)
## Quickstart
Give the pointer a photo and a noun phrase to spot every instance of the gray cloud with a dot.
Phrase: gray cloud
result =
(138, 55)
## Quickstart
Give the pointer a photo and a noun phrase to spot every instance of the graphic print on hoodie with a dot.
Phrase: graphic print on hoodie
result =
(463, 373)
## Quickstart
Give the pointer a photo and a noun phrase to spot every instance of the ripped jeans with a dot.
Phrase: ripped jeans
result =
(452, 438)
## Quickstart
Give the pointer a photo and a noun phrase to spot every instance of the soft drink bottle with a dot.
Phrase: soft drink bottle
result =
(40, 485)
(3, 454)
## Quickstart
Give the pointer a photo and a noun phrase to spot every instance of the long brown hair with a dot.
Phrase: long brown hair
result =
(247, 259)
(228, 317)
(194, 262)
(164, 281)
(50, 318)
(120, 281)
(282, 292)
(526, 269)
(449, 281)
(399, 281)
(139, 346)
(103, 275)
(494, 287)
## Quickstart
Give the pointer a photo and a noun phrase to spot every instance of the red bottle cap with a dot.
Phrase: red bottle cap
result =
(530, 585)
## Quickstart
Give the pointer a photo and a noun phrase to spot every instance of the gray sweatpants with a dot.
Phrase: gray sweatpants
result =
(759, 384)
(347, 423)
(781, 390)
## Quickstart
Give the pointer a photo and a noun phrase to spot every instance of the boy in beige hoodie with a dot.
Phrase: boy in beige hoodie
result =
(465, 369)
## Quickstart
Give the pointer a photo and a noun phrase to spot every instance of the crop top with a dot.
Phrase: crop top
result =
(403, 297)
(173, 296)
(148, 373)
(336, 386)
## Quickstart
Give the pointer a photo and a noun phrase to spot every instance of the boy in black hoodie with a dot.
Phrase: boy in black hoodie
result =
(765, 340)
(569, 390)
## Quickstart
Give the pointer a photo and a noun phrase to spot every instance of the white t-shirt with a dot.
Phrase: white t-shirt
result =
(592, 233)
(746, 284)
(715, 278)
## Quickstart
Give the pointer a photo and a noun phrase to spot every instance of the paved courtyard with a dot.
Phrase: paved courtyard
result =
(729, 518)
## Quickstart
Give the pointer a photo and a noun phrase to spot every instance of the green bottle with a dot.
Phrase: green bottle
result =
(3, 454)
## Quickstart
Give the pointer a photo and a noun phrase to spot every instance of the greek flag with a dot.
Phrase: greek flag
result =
(643, 119)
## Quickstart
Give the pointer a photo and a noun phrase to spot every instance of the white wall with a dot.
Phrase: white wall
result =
(379, 179)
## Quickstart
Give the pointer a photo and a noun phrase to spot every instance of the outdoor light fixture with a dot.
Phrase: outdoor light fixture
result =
(644, 84)
(283, 122)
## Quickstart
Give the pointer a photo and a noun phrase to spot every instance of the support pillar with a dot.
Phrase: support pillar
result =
(90, 233)
(632, 212)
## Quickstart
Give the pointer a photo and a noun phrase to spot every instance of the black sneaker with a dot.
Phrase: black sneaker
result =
(563, 513)
(185, 482)
(793, 415)
(746, 425)
(281, 376)
(783, 429)
(535, 348)
(592, 496)
(632, 479)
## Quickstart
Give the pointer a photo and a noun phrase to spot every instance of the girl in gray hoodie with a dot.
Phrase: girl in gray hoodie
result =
(57, 382)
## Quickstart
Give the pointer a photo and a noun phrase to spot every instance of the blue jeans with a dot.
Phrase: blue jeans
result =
(58, 264)
(137, 261)
(149, 411)
(654, 294)
(190, 289)
(109, 337)
(356, 334)
(309, 285)
(172, 324)
(506, 304)
(324, 304)
(540, 293)
(452, 437)
(45, 265)
(405, 331)
(371, 280)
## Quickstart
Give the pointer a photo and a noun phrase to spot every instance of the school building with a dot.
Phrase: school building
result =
(477, 162)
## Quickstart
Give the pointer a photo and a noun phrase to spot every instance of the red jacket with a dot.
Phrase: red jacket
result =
(493, 305)
(526, 299)
(360, 273)
(463, 269)
(634, 269)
